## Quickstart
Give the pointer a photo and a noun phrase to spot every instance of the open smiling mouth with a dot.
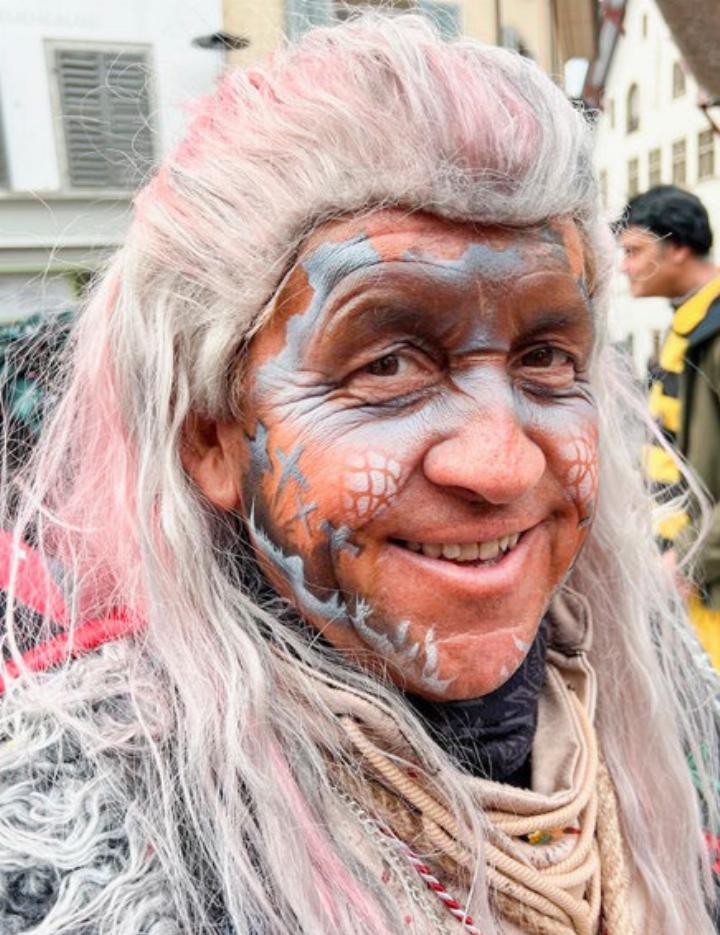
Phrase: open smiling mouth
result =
(480, 553)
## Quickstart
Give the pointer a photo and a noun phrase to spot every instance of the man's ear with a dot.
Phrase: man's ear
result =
(679, 254)
(212, 454)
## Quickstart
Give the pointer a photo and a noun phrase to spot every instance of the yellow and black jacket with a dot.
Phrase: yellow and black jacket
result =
(685, 402)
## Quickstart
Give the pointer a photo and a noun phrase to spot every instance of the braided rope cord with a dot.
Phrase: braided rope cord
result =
(412, 860)
(536, 899)
(615, 874)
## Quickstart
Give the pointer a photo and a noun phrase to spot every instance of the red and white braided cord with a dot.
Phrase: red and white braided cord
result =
(432, 883)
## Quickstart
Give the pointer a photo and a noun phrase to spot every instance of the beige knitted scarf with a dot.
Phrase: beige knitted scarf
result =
(584, 890)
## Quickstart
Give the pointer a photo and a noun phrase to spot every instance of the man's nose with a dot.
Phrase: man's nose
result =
(489, 457)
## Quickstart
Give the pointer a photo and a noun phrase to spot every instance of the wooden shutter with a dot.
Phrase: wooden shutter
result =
(105, 109)
(301, 15)
(446, 16)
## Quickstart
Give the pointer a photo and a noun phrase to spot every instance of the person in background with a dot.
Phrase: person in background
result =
(666, 241)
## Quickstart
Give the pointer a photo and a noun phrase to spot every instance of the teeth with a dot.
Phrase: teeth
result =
(489, 549)
(432, 550)
(466, 551)
(470, 552)
(451, 551)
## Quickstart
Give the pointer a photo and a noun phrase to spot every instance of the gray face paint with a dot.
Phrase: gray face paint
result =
(303, 512)
(339, 539)
(551, 235)
(479, 259)
(292, 570)
(394, 646)
(259, 455)
(289, 468)
(325, 267)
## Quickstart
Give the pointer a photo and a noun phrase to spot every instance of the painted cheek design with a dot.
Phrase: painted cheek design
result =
(370, 484)
(515, 652)
(396, 645)
(581, 473)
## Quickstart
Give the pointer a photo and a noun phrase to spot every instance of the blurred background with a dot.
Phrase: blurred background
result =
(92, 94)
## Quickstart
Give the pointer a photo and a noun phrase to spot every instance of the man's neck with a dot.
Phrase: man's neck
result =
(697, 275)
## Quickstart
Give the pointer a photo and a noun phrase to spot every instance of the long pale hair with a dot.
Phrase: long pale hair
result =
(206, 752)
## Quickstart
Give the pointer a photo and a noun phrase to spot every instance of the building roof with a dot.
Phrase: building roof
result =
(695, 25)
(695, 28)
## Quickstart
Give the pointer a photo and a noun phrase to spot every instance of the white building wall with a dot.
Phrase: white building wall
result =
(47, 229)
(648, 61)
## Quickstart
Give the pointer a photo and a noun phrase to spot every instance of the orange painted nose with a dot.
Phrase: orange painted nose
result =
(489, 457)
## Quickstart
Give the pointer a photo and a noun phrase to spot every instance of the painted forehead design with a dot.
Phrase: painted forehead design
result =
(328, 263)
(495, 263)
(324, 267)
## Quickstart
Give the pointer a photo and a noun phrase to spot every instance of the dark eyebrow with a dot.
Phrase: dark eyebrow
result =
(559, 321)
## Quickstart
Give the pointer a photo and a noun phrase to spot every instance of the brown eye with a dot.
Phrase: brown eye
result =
(397, 373)
(387, 366)
(543, 358)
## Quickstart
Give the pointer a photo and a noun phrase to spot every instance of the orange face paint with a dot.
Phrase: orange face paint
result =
(421, 441)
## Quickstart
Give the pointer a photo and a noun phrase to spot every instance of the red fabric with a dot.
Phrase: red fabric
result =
(713, 843)
(35, 588)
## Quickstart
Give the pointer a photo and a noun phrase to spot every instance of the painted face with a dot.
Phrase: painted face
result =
(647, 262)
(419, 470)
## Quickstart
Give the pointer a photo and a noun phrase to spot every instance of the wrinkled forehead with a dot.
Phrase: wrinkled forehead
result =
(391, 235)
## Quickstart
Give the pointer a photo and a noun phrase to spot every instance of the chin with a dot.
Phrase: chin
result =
(460, 661)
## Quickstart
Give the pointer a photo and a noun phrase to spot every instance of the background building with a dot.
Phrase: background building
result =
(89, 99)
(651, 130)
(550, 31)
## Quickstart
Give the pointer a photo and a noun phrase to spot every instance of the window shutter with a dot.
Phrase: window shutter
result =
(105, 109)
(301, 15)
(446, 16)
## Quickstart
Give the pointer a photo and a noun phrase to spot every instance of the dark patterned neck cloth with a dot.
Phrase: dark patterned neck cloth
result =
(492, 736)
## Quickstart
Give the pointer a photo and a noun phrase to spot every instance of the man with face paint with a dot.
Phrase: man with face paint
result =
(419, 441)
(332, 595)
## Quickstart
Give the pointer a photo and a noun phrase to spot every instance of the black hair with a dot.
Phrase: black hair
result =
(673, 214)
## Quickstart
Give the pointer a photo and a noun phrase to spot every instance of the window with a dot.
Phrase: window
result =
(706, 154)
(654, 167)
(80, 281)
(611, 110)
(346, 9)
(304, 14)
(301, 15)
(446, 17)
(510, 38)
(632, 113)
(679, 162)
(644, 26)
(105, 109)
(678, 80)
(633, 184)
(603, 185)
